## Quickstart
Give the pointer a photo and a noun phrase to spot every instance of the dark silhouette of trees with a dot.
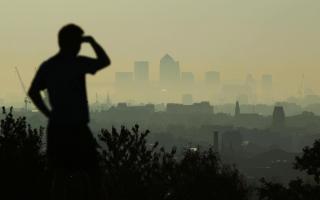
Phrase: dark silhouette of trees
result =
(309, 162)
(132, 168)
(22, 162)
(297, 189)
(138, 170)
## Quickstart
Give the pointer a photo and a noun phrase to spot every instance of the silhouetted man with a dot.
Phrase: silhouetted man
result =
(70, 144)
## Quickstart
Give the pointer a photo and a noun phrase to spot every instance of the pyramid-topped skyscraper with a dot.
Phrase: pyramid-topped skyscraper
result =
(169, 69)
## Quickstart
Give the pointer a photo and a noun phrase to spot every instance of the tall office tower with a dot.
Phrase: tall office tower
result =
(250, 81)
(187, 99)
(169, 69)
(141, 71)
(212, 77)
(237, 109)
(278, 118)
(266, 82)
(124, 77)
(187, 77)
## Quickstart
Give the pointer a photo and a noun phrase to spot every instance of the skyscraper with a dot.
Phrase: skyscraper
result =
(250, 81)
(212, 77)
(187, 77)
(266, 82)
(141, 71)
(169, 69)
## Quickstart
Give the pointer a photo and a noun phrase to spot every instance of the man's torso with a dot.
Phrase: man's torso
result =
(66, 86)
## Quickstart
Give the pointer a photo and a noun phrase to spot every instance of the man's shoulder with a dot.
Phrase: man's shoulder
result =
(48, 62)
(81, 58)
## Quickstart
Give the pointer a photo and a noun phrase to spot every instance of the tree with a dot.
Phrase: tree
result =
(309, 162)
(138, 170)
(133, 168)
(22, 163)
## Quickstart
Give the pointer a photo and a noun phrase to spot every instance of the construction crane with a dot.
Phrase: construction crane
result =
(26, 99)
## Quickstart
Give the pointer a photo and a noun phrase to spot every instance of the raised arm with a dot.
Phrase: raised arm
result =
(102, 59)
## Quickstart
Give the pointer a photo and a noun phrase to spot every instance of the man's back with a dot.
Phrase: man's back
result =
(64, 78)
(63, 75)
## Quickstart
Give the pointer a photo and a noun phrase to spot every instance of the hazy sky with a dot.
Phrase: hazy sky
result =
(232, 36)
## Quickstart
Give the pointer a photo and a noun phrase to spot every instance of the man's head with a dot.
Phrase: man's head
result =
(70, 38)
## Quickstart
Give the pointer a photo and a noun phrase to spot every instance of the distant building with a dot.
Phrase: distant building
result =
(278, 118)
(187, 77)
(141, 71)
(124, 77)
(231, 143)
(196, 108)
(237, 109)
(266, 82)
(187, 99)
(122, 105)
(169, 69)
(124, 108)
(250, 81)
(311, 99)
(212, 77)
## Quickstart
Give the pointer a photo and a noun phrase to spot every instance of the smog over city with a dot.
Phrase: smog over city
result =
(130, 99)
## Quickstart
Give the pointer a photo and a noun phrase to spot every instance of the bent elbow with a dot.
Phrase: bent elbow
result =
(32, 93)
(108, 62)
(105, 63)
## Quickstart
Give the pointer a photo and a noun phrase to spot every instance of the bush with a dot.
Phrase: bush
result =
(133, 169)
(136, 170)
(22, 163)
(309, 162)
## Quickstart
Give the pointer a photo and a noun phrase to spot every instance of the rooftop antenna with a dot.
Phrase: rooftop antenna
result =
(26, 98)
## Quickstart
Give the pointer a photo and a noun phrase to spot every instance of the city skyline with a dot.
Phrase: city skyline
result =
(139, 72)
(234, 38)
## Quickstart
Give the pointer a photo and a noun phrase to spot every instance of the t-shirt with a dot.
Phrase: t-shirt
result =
(64, 79)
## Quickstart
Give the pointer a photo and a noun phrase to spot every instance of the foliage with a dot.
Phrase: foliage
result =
(297, 189)
(21, 159)
(133, 168)
(310, 161)
(136, 170)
